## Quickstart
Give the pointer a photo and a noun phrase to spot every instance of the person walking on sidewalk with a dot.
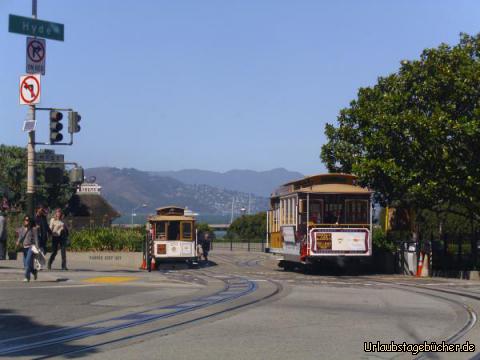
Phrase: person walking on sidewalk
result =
(43, 229)
(59, 239)
(28, 237)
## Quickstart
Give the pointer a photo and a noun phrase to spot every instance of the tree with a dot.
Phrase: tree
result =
(13, 184)
(13, 173)
(203, 227)
(248, 227)
(414, 137)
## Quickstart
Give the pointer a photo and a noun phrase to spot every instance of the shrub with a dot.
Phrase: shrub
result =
(381, 241)
(248, 227)
(107, 239)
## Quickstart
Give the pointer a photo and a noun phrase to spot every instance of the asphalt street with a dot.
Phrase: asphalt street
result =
(240, 306)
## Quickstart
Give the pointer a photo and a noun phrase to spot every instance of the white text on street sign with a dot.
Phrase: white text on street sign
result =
(34, 27)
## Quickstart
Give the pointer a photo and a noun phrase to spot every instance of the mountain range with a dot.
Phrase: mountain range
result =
(205, 192)
(261, 183)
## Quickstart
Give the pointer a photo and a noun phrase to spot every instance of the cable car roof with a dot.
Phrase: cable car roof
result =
(334, 183)
(334, 178)
(335, 189)
(170, 218)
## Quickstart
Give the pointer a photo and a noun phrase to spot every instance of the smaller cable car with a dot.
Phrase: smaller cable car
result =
(172, 235)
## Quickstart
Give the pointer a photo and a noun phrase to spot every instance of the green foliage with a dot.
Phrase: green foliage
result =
(14, 222)
(381, 241)
(107, 239)
(203, 227)
(13, 175)
(414, 136)
(432, 223)
(248, 227)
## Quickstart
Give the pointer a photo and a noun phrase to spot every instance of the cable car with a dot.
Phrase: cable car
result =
(172, 235)
(320, 217)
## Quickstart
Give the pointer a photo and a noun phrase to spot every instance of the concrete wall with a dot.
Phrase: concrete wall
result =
(129, 260)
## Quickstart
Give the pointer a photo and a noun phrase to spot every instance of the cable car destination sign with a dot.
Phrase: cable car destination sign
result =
(34, 27)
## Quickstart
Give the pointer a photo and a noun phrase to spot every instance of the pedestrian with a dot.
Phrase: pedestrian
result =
(28, 237)
(59, 239)
(206, 242)
(3, 234)
(44, 230)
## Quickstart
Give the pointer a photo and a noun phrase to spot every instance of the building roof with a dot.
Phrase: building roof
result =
(91, 204)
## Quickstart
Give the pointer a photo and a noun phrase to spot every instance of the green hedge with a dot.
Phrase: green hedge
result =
(381, 241)
(107, 239)
(95, 239)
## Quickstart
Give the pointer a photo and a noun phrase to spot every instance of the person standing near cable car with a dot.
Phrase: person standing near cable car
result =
(206, 244)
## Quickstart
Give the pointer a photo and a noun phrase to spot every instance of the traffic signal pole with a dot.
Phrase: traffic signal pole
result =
(30, 200)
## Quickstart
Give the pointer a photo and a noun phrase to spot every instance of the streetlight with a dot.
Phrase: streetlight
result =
(138, 207)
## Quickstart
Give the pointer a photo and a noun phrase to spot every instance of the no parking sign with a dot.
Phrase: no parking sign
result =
(36, 54)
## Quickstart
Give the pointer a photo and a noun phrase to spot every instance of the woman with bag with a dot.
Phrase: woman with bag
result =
(28, 237)
(59, 239)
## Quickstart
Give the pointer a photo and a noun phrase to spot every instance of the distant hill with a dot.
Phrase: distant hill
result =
(261, 183)
(125, 189)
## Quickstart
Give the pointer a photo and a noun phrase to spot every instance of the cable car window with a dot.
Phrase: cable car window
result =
(316, 211)
(160, 230)
(174, 230)
(187, 230)
(357, 211)
(333, 212)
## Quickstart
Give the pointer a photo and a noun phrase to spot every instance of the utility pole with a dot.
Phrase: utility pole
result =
(31, 149)
(30, 89)
(233, 202)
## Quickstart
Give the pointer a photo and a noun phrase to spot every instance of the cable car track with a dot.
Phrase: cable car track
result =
(235, 288)
(424, 290)
(472, 317)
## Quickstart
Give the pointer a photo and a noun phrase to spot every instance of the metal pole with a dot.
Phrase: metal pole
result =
(34, 9)
(308, 220)
(30, 201)
(265, 241)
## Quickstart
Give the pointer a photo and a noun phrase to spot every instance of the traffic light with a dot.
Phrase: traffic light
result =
(76, 175)
(55, 126)
(73, 120)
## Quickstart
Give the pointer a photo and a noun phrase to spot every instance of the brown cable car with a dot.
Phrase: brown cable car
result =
(173, 234)
(326, 215)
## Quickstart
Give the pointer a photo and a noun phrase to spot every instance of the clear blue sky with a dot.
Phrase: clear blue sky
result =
(216, 85)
